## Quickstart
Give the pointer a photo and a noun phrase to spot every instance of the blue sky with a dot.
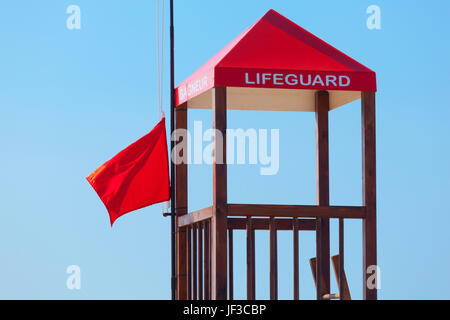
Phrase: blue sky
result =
(71, 99)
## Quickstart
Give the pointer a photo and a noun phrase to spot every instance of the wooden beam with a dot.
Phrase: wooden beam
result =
(195, 217)
(189, 263)
(340, 275)
(273, 261)
(263, 224)
(230, 264)
(295, 228)
(200, 260)
(251, 286)
(207, 258)
(194, 262)
(181, 206)
(298, 211)
(323, 193)
(369, 190)
(219, 219)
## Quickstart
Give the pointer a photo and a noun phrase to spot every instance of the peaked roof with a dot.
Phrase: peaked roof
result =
(277, 53)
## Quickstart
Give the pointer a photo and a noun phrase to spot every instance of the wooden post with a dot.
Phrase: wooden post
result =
(369, 190)
(207, 258)
(181, 205)
(251, 287)
(273, 260)
(296, 259)
(219, 219)
(323, 193)
(200, 261)
(230, 264)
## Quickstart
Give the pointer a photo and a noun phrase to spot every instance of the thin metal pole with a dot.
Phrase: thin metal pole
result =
(172, 167)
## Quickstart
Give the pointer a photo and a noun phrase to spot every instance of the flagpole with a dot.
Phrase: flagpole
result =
(172, 166)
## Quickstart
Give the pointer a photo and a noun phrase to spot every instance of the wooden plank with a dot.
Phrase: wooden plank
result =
(200, 261)
(273, 261)
(344, 291)
(251, 287)
(207, 265)
(369, 190)
(295, 229)
(230, 264)
(181, 206)
(194, 262)
(298, 211)
(189, 263)
(340, 275)
(195, 217)
(323, 192)
(263, 224)
(219, 219)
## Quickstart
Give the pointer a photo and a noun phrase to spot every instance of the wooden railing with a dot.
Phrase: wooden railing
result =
(261, 217)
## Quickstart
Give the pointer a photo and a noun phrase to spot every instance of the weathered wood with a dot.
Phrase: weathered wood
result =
(339, 272)
(230, 264)
(323, 192)
(298, 211)
(251, 287)
(195, 217)
(181, 205)
(369, 190)
(219, 219)
(295, 229)
(200, 260)
(194, 262)
(263, 224)
(273, 260)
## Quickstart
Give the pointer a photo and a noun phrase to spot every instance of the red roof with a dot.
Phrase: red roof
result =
(277, 53)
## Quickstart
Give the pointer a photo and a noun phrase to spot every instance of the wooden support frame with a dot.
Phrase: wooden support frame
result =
(204, 239)
(181, 208)
(295, 211)
(219, 218)
(323, 193)
(369, 190)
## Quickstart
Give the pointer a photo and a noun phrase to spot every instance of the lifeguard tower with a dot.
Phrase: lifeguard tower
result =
(274, 65)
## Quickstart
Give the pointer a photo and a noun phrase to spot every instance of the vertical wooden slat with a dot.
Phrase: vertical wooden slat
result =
(323, 193)
(181, 205)
(207, 266)
(273, 260)
(200, 261)
(251, 287)
(189, 263)
(194, 262)
(230, 263)
(369, 190)
(296, 259)
(219, 219)
(341, 259)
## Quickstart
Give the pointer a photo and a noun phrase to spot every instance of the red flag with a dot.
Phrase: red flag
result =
(135, 178)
